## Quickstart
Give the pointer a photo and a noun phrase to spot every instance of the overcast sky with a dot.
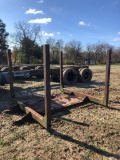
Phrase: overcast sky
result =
(88, 21)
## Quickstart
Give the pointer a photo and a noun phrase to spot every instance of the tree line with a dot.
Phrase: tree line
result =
(27, 50)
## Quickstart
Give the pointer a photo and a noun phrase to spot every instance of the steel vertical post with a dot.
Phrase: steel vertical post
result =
(107, 81)
(10, 72)
(47, 94)
(61, 71)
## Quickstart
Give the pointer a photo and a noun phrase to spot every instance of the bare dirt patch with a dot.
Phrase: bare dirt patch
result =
(88, 132)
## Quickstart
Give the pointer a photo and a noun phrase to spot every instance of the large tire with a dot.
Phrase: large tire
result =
(69, 76)
(27, 76)
(4, 78)
(85, 75)
(24, 68)
(5, 69)
(38, 67)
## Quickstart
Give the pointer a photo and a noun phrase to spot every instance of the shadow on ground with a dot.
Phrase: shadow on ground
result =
(83, 144)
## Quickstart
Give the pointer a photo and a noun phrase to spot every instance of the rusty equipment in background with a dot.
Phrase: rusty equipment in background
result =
(42, 110)
(71, 73)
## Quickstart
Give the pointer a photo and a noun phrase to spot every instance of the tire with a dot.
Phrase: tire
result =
(5, 69)
(38, 67)
(69, 76)
(79, 70)
(85, 75)
(27, 74)
(25, 68)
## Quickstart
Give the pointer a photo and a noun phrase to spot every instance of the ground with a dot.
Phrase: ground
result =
(87, 132)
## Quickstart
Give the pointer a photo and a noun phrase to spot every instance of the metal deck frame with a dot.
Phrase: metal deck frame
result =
(45, 120)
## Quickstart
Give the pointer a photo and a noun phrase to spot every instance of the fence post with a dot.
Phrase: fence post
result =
(47, 94)
(61, 71)
(107, 81)
(10, 72)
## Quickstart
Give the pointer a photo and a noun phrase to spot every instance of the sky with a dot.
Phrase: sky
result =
(87, 21)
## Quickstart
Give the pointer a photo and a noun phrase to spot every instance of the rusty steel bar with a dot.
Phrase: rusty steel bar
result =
(45, 120)
(27, 110)
(104, 100)
(107, 81)
(47, 94)
(61, 71)
(83, 95)
(10, 72)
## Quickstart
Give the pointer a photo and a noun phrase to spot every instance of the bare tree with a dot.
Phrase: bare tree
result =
(59, 44)
(23, 30)
(73, 51)
(26, 36)
(51, 42)
(90, 52)
(15, 54)
(55, 46)
(100, 51)
(116, 56)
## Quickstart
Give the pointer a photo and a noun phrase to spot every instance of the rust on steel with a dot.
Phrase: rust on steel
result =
(104, 100)
(61, 71)
(10, 71)
(83, 95)
(45, 120)
(107, 80)
(47, 94)
(72, 98)
(39, 118)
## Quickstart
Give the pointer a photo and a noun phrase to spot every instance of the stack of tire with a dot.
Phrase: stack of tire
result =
(71, 76)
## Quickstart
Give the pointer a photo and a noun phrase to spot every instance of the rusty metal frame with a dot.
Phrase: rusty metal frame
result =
(10, 72)
(103, 101)
(45, 120)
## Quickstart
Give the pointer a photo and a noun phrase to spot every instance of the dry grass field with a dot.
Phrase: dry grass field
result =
(87, 132)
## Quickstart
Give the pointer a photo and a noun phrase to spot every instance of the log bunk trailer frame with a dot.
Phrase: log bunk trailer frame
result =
(42, 114)
(71, 73)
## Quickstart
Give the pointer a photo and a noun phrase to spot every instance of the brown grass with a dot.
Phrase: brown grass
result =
(88, 132)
